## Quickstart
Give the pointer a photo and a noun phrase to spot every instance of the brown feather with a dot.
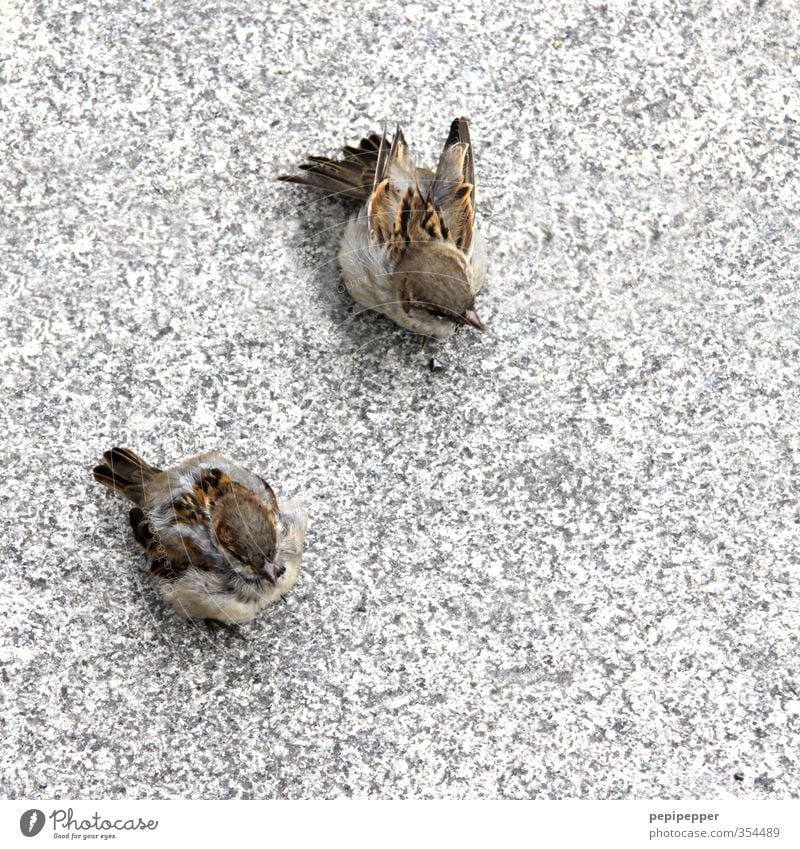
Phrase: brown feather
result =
(453, 187)
(125, 472)
(382, 211)
(163, 563)
(351, 177)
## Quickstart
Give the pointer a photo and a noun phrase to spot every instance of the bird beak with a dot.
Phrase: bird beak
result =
(471, 317)
(269, 570)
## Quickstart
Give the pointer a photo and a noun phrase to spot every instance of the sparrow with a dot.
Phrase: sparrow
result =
(412, 252)
(219, 545)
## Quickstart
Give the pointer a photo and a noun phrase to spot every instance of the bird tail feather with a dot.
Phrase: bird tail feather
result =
(352, 176)
(125, 472)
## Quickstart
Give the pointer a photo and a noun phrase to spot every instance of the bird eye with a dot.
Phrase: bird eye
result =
(441, 315)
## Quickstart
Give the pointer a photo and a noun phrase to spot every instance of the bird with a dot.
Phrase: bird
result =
(220, 546)
(412, 252)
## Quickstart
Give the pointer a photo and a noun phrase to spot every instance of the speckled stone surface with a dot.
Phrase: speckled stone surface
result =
(565, 564)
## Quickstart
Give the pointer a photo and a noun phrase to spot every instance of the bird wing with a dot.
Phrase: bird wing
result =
(381, 171)
(173, 544)
(400, 219)
(401, 210)
(395, 162)
(407, 206)
(175, 527)
(452, 192)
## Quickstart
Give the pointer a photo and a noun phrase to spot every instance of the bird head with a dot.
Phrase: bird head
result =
(245, 530)
(434, 278)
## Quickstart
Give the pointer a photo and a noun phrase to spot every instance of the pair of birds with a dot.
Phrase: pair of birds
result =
(220, 545)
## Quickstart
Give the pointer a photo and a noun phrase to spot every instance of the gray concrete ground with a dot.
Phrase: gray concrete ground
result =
(564, 566)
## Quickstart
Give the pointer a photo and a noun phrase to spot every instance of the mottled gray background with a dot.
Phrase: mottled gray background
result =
(567, 564)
